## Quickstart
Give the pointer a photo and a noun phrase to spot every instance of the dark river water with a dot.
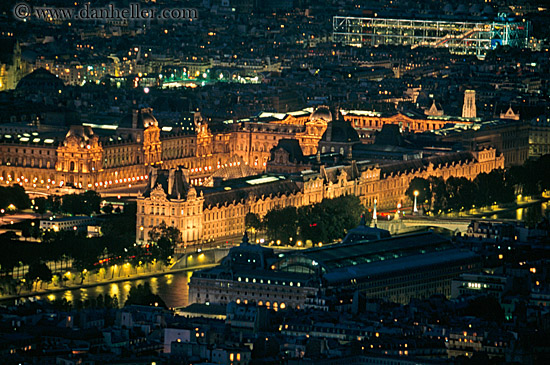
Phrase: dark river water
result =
(173, 288)
(529, 215)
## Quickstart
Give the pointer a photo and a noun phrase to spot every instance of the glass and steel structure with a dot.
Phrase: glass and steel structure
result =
(459, 37)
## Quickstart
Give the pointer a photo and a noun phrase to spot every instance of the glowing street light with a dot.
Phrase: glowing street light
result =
(415, 196)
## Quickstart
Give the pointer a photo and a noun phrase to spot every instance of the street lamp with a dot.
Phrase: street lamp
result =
(415, 210)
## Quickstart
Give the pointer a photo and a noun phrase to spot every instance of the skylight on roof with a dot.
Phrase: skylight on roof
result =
(262, 180)
(101, 126)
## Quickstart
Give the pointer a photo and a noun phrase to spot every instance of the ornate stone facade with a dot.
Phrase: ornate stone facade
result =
(215, 213)
(170, 199)
(364, 121)
(85, 159)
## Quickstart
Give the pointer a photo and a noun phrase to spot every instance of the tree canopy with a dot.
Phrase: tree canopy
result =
(143, 295)
(459, 193)
(163, 240)
(15, 195)
(322, 222)
(85, 203)
(252, 220)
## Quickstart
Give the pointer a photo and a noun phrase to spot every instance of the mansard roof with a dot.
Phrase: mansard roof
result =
(322, 112)
(173, 183)
(241, 189)
(292, 146)
(332, 173)
(422, 164)
(340, 131)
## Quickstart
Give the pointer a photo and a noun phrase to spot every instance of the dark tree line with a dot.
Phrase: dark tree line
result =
(117, 244)
(143, 295)
(326, 221)
(532, 178)
(459, 193)
(15, 195)
(498, 186)
(75, 204)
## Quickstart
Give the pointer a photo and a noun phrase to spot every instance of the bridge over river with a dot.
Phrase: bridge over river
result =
(408, 224)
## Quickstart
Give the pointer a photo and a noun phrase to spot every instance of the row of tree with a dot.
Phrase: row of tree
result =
(498, 186)
(14, 196)
(532, 178)
(458, 193)
(117, 245)
(326, 221)
(85, 203)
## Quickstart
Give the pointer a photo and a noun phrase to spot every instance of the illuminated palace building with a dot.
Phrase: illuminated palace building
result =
(106, 156)
(205, 183)
(340, 165)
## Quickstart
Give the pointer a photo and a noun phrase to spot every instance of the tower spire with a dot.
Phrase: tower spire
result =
(245, 240)
(469, 107)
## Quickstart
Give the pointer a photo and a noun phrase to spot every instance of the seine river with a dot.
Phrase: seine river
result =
(173, 288)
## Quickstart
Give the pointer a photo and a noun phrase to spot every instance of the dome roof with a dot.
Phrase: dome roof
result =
(148, 119)
(340, 131)
(139, 118)
(40, 80)
(81, 132)
(322, 113)
(79, 135)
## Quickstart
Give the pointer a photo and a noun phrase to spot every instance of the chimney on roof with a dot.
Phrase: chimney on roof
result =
(153, 178)
(171, 179)
(135, 113)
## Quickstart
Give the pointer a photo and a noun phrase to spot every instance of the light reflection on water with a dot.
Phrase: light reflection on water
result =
(530, 214)
(172, 288)
(519, 214)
